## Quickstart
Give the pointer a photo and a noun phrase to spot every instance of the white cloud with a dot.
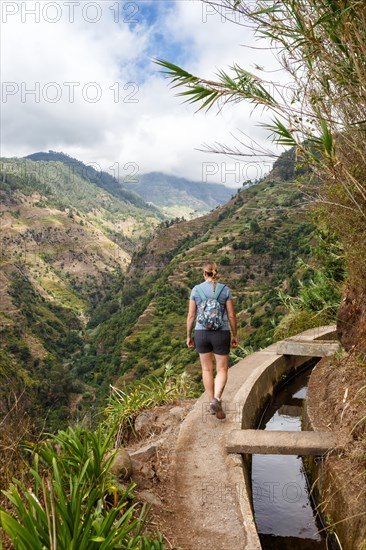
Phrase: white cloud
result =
(145, 125)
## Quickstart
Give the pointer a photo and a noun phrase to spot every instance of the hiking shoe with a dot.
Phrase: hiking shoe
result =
(216, 408)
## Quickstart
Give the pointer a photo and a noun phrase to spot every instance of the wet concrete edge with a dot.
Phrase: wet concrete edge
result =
(252, 396)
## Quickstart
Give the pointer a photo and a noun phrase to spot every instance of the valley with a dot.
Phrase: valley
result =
(96, 281)
(256, 239)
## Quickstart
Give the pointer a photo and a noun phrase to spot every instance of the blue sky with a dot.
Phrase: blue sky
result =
(85, 84)
(147, 14)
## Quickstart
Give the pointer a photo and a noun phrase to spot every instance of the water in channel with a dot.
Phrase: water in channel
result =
(283, 512)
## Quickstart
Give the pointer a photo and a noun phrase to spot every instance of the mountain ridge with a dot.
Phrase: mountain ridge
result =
(65, 244)
(166, 195)
(178, 195)
(98, 177)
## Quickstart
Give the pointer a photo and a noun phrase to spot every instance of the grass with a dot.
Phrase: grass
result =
(126, 404)
(68, 499)
(62, 294)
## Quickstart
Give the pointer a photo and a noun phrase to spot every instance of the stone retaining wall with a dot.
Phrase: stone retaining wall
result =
(324, 476)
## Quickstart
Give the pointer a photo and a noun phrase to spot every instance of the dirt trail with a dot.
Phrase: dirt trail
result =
(201, 509)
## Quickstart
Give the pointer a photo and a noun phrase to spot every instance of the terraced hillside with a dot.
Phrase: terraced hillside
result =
(82, 310)
(65, 243)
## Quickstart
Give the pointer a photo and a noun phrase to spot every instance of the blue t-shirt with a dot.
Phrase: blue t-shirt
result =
(207, 289)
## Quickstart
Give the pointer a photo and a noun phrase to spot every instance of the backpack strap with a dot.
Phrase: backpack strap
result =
(201, 293)
(220, 287)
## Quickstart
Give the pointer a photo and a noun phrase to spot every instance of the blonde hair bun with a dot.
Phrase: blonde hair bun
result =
(210, 268)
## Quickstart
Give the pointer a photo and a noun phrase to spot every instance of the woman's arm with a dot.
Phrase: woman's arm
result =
(232, 321)
(190, 322)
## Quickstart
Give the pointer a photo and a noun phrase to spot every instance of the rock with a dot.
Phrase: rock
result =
(142, 474)
(144, 453)
(122, 465)
(177, 412)
(141, 469)
(150, 498)
(143, 422)
(165, 420)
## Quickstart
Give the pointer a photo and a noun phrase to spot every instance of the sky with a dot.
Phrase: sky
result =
(79, 77)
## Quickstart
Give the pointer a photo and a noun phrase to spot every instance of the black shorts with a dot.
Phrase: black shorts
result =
(217, 341)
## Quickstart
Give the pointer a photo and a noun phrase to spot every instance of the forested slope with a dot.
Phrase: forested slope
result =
(65, 243)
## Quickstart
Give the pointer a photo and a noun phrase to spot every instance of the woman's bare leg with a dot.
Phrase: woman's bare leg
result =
(222, 366)
(207, 374)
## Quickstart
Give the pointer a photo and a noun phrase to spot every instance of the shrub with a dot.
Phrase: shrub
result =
(256, 322)
(125, 404)
(254, 226)
(298, 321)
(224, 260)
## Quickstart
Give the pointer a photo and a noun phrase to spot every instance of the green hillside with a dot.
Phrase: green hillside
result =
(178, 197)
(89, 298)
(65, 244)
(99, 178)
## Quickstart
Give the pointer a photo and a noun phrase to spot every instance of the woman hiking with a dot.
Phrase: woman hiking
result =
(212, 337)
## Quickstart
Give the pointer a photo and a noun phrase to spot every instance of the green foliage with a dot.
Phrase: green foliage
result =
(260, 246)
(224, 260)
(56, 326)
(262, 336)
(299, 320)
(330, 253)
(256, 321)
(318, 295)
(44, 381)
(240, 352)
(287, 167)
(254, 226)
(125, 404)
(158, 340)
(74, 502)
(240, 84)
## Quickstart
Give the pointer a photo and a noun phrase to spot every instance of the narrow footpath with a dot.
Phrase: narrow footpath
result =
(206, 506)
